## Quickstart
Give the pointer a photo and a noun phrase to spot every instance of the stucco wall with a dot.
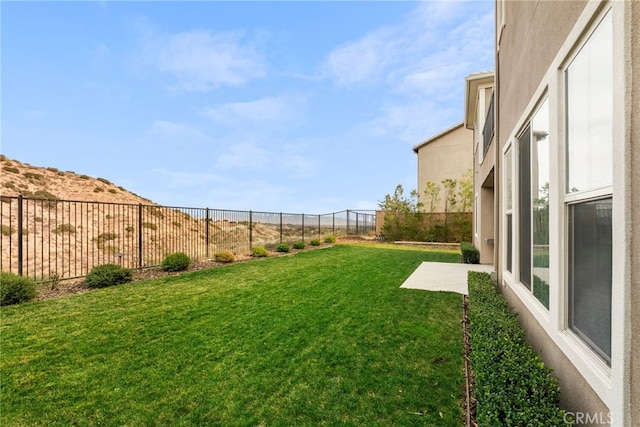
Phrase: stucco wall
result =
(522, 62)
(449, 156)
(634, 84)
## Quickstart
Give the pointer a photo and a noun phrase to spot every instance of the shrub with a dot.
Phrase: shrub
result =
(98, 190)
(11, 169)
(104, 181)
(512, 385)
(7, 230)
(177, 261)
(330, 239)
(259, 251)
(149, 225)
(470, 254)
(224, 256)
(298, 245)
(283, 247)
(15, 289)
(315, 242)
(65, 228)
(105, 275)
(112, 191)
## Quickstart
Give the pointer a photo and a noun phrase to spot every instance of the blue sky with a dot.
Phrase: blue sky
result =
(272, 106)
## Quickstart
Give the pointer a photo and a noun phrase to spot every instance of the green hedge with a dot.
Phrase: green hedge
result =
(15, 289)
(470, 254)
(513, 387)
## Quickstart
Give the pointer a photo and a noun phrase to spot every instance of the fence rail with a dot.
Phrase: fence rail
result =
(65, 239)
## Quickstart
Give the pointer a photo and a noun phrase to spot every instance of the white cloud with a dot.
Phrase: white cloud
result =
(245, 156)
(200, 61)
(360, 61)
(172, 130)
(268, 110)
(438, 42)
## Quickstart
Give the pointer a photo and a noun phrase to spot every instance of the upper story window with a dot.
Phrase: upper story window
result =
(489, 127)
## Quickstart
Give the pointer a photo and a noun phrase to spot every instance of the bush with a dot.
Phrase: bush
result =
(298, 245)
(470, 254)
(259, 251)
(224, 256)
(512, 385)
(177, 261)
(108, 275)
(330, 239)
(15, 289)
(283, 247)
(315, 242)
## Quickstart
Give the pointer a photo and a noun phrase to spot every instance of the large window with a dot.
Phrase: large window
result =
(524, 206)
(533, 205)
(540, 202)
(588, 197)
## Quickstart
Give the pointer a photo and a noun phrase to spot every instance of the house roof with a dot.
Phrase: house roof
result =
(438, 136)
(473, 81)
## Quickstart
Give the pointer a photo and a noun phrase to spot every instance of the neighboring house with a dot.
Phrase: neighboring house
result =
(479, 117)
(446, 155)
(563, 172)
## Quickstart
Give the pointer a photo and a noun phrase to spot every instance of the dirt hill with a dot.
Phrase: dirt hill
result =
(50, 183)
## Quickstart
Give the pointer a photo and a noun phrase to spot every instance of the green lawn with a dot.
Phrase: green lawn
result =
(325, 337)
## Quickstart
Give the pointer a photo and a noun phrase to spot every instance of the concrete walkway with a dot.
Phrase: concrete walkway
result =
(443, 276)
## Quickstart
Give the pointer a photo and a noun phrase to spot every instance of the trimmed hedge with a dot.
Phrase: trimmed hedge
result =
(513, 387)
(106, 275)
(224, 256)
(283, 247)
(177, 261)
(15, 289)
(470, 254)
(259, 251)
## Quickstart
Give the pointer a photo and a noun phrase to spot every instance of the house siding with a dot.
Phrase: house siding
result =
(634, 179)
(447, 156)
(526, 74)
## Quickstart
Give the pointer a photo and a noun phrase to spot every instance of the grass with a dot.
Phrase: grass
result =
(325, 337)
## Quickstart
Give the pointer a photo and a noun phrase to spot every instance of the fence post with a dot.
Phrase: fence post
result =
(19, 235)
(357, 228)
(140, 236)
(319, 225)
(250, 230)
(347, 222)
(280, 227)
(333, 225)
(207, 233)
(303, 227)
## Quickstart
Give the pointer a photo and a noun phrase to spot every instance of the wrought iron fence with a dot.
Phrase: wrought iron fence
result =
(65, 239)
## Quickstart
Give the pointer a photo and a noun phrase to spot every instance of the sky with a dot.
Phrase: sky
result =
(299, 107)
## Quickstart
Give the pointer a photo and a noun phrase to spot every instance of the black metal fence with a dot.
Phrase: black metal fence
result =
(65, 239)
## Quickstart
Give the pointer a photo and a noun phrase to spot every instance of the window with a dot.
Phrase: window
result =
(588, 197)
(540, 202)
(524, 206)
(533, 205)
(509, 208)
(590, 273)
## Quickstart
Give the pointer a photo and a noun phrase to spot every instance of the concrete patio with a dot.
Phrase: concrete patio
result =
(442, 276)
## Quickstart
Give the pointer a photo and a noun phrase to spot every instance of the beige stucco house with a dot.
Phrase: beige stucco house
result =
(479, 117)
(562, 169)
(446, 155)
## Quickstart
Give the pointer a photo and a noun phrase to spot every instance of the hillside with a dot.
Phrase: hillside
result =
(49, 182)
(71, 223)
